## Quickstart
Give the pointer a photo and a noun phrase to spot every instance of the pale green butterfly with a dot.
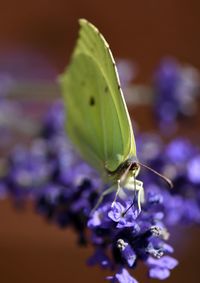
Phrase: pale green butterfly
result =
(98, 121)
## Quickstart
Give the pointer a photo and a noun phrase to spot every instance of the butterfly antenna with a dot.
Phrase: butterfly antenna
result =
(167, 180)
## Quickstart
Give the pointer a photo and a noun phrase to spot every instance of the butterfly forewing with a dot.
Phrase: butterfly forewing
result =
(97, 118)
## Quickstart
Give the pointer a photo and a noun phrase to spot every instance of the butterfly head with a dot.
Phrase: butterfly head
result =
(124, 170)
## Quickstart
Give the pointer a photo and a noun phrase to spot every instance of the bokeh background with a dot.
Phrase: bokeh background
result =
(31, 250)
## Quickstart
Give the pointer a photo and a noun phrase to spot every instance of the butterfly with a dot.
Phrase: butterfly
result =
(98, 122)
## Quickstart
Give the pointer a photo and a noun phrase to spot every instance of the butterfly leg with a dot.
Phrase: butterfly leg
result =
(140, 195)
(140, 191)
(137, 187)
(139, 200)
(117, 192)
(106, 192)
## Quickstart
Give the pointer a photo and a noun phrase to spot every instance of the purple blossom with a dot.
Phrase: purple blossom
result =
(26, 66)
(127, 252)
(65, 190)
(127, 71)
(54, 120)
(193, 169)
(99, 257)
(159, 273)
(122, 276)
(176, 89)
(179, 151)
(175, 160)
(160, 268)
(99, 217)
(116, 212)
(124, 216)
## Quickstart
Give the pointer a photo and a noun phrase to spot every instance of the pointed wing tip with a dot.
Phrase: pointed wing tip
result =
(82, 21)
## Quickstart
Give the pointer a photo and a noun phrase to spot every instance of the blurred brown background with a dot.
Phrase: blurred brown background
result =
(145, 31)
(142, 30)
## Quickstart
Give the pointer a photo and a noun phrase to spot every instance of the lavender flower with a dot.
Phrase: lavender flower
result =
(160, 268)
(65, 190)
(127, 71)
(179, 160)
(122, 276)
(23, 65)
(130, 237)
(176, 89)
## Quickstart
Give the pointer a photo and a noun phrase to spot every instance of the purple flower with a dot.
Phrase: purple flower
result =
(176, 88)
(160, 268)
(122, 277)
(54, 120)
(179, 151)
(33, 66)
(159, 273)
(116, 212)
(65, 190)
(127, 252)
(193, 169)
(124, 216)
(167, 78)
(127, 71)
(99, 257)
(99, 217)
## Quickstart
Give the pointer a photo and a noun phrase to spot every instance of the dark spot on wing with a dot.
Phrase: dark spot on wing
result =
(106, 89)
(119, 87)
(92, 101)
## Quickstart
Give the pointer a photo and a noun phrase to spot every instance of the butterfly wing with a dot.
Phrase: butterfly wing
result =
(98, 122)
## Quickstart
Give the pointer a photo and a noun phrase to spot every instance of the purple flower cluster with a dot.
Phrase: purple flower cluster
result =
(131, 238)
(180, 161)
(65, 190)
(176, 88)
